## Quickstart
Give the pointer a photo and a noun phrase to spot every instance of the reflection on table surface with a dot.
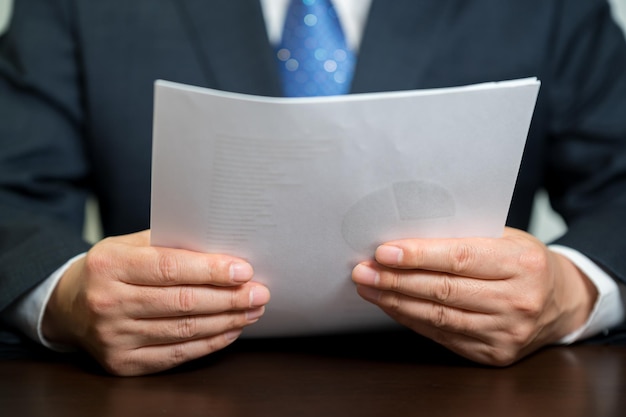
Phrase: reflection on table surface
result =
(382, 374)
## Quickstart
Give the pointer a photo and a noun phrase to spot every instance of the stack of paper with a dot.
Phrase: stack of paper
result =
(305, 188)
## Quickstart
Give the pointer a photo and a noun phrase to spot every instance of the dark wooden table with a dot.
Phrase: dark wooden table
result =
(382, 374)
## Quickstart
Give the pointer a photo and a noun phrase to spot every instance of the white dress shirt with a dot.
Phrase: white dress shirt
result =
(26, 314)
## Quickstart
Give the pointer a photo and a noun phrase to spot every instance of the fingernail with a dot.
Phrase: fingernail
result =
(240, 272)
(369, 293)
(232, 335)
(259, 296)
(253, 315)
(389, 255)
(365, 275)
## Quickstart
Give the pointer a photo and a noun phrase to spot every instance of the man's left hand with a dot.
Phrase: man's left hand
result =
(491, 300)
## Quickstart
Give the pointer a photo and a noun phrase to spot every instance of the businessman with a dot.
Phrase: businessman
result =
(76, 80)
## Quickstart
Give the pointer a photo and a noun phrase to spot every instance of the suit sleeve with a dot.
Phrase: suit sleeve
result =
(43, 163)
(586, 178)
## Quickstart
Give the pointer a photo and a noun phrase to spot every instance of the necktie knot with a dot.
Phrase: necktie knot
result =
(313, 57)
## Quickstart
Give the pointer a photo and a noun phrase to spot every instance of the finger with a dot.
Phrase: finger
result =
(478, 295)
(158, 266)
(410, 311)
(484, 338)
(189, 300)
(492, 352)
(472, 348)
(473, 257)
(164, 331)
(151, 359)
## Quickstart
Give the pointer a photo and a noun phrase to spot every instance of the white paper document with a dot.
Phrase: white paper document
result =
(305, 188)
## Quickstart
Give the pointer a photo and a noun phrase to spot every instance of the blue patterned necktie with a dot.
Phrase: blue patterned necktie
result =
(313, 57)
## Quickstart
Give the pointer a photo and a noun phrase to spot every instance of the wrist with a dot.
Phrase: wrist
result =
(576, 296)
(57, 325)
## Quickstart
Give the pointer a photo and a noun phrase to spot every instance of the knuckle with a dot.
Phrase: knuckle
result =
(99, 303)
(501, 357)
(507, 348)
(185, 300)
(439, 316)
(534, 261)
(237, 321)
(521, 335)
(214, 344)
(444, 290)
(534, 307)
(97, 262)
(103, 336)
(235, 301)
(187, 328)
(392, 304)
(116, 363)
(462, 258)
(178, 354)
(443, 338)
(168, 268)
(394, 280)
(530, 305)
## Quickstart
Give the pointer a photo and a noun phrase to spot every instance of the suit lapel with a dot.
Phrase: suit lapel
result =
(231, 42)
(397, 43)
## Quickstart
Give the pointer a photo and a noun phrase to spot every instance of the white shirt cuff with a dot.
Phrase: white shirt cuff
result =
(608, 310)
(26, 314)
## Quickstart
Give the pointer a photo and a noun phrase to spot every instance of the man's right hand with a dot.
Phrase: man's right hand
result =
(139, 309)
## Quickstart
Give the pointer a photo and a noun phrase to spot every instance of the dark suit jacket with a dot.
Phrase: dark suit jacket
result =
(76, 86)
